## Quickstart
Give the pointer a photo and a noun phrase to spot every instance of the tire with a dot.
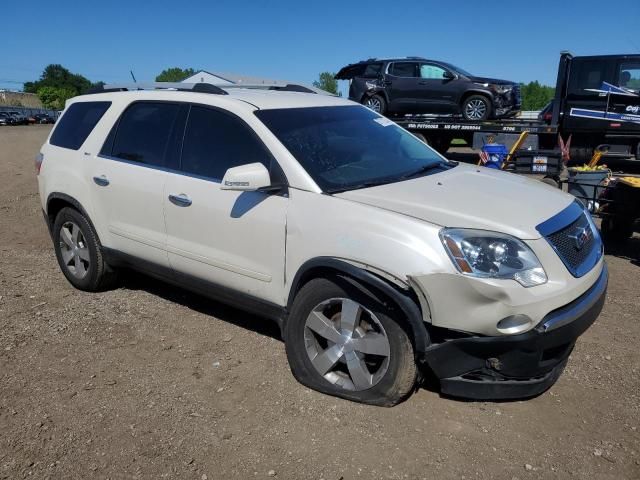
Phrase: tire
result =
(79, 252)
(383, 378)
(441, 145)
(476, 107)
(377, 103)
(551, 181)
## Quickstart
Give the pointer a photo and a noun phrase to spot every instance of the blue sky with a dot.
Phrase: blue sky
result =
(296, 40)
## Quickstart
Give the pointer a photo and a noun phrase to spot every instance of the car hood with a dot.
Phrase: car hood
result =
(493, 81)
(470, 197)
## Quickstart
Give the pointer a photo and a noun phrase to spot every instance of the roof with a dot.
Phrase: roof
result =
(257, 98)
(270, 99)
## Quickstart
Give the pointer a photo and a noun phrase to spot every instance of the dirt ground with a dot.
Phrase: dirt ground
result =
(148, 381)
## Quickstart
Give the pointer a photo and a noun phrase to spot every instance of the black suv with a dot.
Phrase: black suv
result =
(416, 85)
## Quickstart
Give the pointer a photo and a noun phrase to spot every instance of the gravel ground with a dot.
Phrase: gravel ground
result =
(148, 381)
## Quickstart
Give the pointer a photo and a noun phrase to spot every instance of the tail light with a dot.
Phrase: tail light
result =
(38, 162)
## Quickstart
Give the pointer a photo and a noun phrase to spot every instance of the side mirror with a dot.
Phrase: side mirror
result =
(447, 75)
(246, 178)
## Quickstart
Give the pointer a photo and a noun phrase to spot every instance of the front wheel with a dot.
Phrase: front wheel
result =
(345, 343)
(476, 107)
(376, 103)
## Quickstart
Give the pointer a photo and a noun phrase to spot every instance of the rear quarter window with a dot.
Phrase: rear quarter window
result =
(77, 123)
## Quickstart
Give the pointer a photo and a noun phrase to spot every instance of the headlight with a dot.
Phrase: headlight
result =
(370, 85)
(502, 89)
(480, 253)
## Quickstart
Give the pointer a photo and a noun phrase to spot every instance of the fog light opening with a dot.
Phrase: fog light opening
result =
(514, 324)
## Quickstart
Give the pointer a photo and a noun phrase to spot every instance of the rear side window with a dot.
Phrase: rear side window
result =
(215, 141)
(77, 123)
(589, 74)
(143, 132)
(404, 69)
(373, 70)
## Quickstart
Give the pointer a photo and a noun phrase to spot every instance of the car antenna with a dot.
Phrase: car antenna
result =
(133, 76)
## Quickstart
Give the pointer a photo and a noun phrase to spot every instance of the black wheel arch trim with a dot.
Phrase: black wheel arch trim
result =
(484, 93)
(408, 305)
(70, 200)
(378, 91)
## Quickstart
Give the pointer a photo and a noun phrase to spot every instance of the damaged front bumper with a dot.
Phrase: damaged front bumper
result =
(515, 366)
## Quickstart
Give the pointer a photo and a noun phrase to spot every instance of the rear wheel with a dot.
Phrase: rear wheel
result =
(79, 252)
(376, 103)
(476, 107)
(345, 343)
(551, 181)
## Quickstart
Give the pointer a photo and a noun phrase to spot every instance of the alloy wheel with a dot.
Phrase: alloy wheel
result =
(374, 104)
(475, 109)
(347, 344)
(74, 250)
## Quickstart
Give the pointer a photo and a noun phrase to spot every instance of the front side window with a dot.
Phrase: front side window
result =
(629, 75)
(143, 132)
(350, 147)
(404, 69)
(77, 123)
(432, 72)
(215, 141)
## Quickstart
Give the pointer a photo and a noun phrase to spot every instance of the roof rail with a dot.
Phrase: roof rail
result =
(282, 87)
(183, 87)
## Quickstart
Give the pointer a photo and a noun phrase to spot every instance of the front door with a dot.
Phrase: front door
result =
(437, 91)
(233, 239)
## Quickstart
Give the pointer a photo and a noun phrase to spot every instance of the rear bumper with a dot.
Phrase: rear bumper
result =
(516, 366)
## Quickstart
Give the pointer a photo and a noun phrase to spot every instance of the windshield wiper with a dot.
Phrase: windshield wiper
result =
(424, 169)
(357, 186)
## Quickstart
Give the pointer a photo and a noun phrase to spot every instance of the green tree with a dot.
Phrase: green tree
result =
(327, 83)
(535, 96)
(54, 98)
(175, 74)
(57, 76)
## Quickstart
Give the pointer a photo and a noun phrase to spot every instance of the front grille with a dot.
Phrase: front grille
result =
(517, 101)
(576, 244)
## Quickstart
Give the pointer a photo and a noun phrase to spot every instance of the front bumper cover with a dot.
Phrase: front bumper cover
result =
(516, 366)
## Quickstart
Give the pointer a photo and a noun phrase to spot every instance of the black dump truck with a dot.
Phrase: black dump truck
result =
(596, 103)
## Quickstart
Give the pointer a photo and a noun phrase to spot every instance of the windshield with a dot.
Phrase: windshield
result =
(458, 70)
(344, 148)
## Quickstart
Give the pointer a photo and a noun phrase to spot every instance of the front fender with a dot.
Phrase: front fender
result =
(371, 285)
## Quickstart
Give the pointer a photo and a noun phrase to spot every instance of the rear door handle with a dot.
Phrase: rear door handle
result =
(102, 181)
(180, 200)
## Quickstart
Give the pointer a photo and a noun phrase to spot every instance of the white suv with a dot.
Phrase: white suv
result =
(382, 261)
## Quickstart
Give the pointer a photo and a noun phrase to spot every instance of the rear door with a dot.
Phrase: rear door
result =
(233, 239)
(128, 179)
(402, 86)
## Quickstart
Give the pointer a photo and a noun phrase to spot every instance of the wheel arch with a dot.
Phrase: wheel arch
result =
(370, 283)
(56, 201)
(381, 92)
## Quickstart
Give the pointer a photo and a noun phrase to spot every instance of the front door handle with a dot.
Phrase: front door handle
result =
(180, 200)
(102, 181)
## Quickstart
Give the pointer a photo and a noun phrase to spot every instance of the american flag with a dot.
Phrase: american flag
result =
(484, 157)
